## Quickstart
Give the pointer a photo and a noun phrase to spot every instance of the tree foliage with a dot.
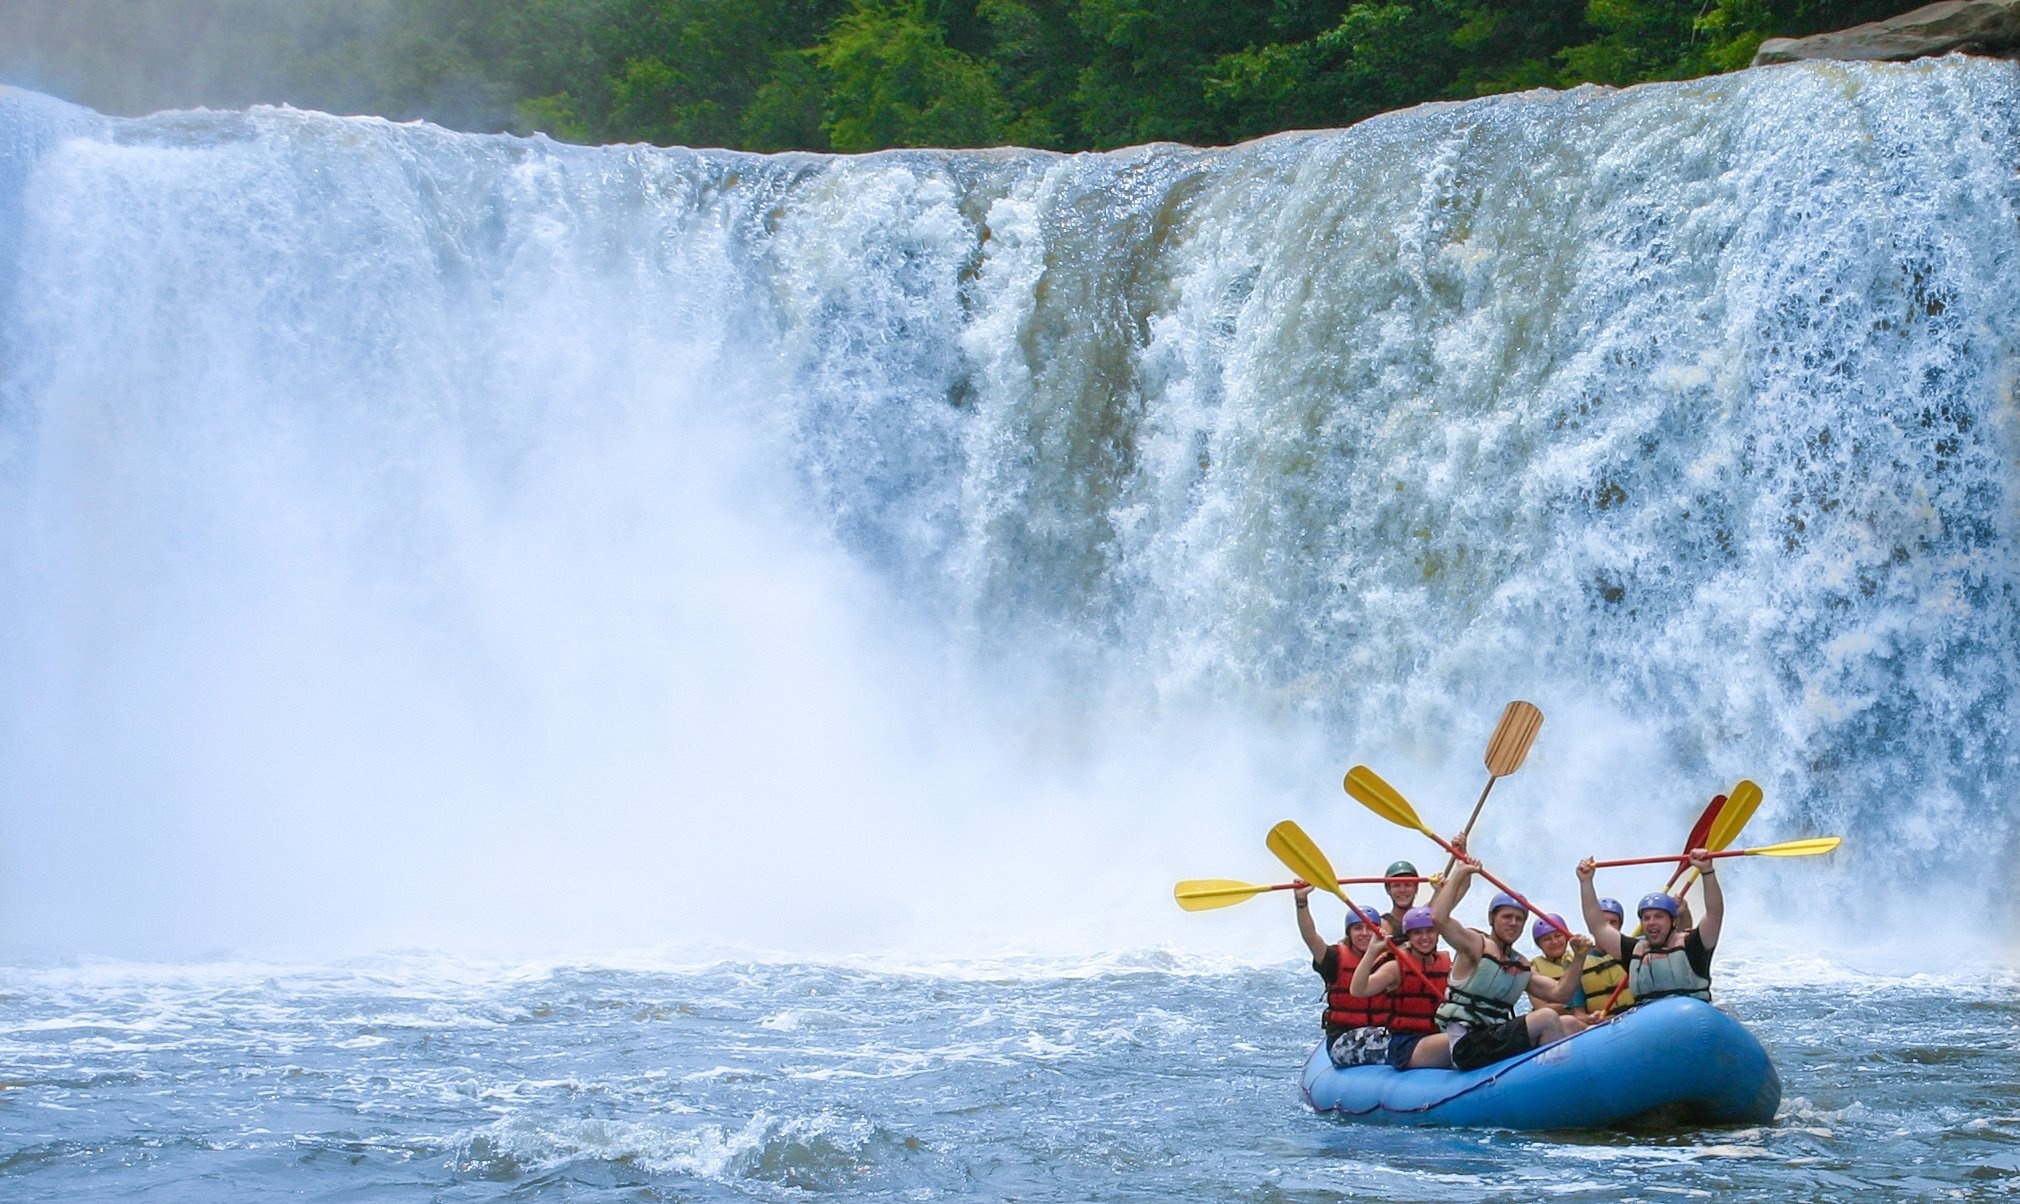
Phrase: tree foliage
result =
(856, 75)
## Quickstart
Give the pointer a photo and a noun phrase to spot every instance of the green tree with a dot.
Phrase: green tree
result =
(894, 81)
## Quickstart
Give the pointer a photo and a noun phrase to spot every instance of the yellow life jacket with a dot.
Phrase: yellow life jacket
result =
(1602, 974)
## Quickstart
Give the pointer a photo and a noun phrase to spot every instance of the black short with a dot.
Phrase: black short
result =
(1486, 1046)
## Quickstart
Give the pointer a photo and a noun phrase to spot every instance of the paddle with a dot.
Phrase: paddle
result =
(1699, 833)
(1506, 749)
(1739, 808)
(1205, 894)
(1300, 853)
(1368, 789)
(1788, 848)
(1731, 816)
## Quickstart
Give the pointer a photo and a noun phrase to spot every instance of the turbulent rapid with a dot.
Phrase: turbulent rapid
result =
(413, 540)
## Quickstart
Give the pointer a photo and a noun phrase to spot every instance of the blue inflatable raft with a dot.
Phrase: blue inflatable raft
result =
(1674, 1061)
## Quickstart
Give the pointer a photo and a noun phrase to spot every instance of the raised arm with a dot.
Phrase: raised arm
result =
(1605, 933)
(1714, 898)
(1306, 928)
(1464, 941)
(1378, 974)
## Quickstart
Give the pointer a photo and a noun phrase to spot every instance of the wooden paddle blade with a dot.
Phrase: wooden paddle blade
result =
(1798, 848)
(1205, 894)
(1301, 855)
(1512, 738)
(1739, 808)
(1367, 788)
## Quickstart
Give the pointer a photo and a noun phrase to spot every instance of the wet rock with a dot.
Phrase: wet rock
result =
(1990, 27)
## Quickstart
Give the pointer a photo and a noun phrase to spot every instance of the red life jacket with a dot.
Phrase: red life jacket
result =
(1414, 1002)
(1344, 1009)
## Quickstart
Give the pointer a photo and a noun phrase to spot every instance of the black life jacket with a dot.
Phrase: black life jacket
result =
(1344, 1009)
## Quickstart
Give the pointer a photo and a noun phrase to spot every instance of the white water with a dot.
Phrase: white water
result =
(419, 539)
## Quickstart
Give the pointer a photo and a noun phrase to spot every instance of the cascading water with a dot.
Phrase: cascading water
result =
(411, 535)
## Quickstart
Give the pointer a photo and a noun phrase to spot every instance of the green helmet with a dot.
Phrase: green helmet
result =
(1401, 869)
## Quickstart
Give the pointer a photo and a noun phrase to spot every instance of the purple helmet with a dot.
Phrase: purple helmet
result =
(1364, 915)
(1504, 899)
(1657, 902)
(1611, 907)
(1545, 925)
(1418, 918)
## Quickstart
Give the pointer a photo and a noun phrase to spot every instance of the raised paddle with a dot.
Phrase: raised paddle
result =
(1368, 789)
(1739, 808)
(1732, 815)
(1205, 894)
(1788, 848)
(1699, 833)
(1506, 749)
(1300, 853)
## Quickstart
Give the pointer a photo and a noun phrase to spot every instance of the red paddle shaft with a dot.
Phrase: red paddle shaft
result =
(1531, 908)
(1601, 865)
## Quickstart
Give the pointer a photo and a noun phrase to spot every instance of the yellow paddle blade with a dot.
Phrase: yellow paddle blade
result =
(1512, 738)
(1798, 848)
(1739, 808)
(1367, 788)
(1205, 894)
(1298, 852)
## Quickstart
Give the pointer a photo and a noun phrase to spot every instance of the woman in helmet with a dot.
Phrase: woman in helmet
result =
(1489, 978)
(1553, 959)
(1414, 984)
(1357, 1028)
(1667, 959)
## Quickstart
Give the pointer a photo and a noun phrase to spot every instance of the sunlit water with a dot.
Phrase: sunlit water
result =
(1137, 1077)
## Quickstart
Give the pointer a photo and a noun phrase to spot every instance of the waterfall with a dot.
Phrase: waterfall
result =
(406, 533)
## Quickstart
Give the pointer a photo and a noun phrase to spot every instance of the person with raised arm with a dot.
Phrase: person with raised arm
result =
(1414, 984)
(1489, 978)
(1667, 959)
(1356, 1027)
(1603, 973)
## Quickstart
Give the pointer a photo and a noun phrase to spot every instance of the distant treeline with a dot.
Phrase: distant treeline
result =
(855, 75)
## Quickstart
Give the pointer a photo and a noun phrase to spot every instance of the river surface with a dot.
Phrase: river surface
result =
(1143, 1077)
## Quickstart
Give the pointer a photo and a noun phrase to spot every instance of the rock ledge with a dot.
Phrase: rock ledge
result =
(1971, 26)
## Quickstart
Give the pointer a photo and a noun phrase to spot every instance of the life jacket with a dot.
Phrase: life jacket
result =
(1488, 998)
(1653, 973)
(1602, 974)
(1416, 999)
(1344, 1009)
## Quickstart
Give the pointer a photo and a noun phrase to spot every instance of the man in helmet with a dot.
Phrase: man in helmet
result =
(1666, 959)
(1414, 983)
(1489, 978)
(1357, 1028)
(1402, 888)
(1603, 973)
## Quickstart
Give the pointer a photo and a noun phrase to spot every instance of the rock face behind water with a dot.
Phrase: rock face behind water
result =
(1989, 27)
